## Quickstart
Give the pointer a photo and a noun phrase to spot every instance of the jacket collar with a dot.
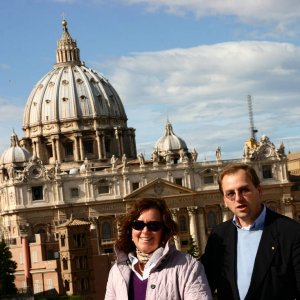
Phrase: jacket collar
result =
(159, 256)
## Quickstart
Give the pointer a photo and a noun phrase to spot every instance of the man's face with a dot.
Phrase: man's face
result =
(242, 197)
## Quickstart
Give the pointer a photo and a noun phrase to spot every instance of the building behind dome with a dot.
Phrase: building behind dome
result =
(76, 172)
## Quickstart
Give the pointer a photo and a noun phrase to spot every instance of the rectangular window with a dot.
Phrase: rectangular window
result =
(135, 185)
(49, 150)
(267, 171)
(37, 193)
(107, 144)
(36, 286)
(184, 243)
(103, 189)
(178, 181)
(88, 147)
(69, 148)
(74, 192)
(208, 179)
(49, 284)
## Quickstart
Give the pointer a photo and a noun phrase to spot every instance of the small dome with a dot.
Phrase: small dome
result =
(170, 141)
(15, 154)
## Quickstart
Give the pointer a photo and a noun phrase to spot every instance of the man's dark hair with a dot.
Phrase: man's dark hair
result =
(233, 168)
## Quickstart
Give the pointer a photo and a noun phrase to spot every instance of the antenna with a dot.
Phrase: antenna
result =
(253, 130)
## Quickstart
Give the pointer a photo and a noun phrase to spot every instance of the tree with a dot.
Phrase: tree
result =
(193, 249)
(7, 270)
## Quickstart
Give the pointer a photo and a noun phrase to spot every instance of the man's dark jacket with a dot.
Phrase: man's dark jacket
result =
(276, 271)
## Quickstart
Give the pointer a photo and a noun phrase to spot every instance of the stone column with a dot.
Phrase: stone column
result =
(202, 227)
(103, 144)
(288, 206)
(76, 150)
(53, 149)
(175, 212)
(192, 210)
(226, 213)
(98, 138)
(81, 150)
(58, 149)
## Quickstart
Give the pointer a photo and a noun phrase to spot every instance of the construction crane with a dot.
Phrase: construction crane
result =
(253, 130)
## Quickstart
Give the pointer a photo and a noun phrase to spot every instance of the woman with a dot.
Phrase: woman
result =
(148, 266)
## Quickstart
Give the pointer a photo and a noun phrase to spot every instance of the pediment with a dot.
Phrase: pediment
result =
(160, 188)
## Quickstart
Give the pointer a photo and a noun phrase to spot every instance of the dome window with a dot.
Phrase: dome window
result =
(34, 103)
(79, 81)
(65, 82)
(51, 83)
(65, 99)
(48, 101)
(92, 80)
(82, 97)
(40, 86)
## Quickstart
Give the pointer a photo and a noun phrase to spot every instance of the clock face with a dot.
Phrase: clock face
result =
(267, 151)
(35, 171)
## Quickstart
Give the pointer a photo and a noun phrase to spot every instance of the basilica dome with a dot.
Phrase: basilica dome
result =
(170, 141)
(15, 154)
(170, 148)
(73, 113)
(71, 93)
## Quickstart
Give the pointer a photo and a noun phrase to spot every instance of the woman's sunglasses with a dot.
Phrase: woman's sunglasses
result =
(152, 225)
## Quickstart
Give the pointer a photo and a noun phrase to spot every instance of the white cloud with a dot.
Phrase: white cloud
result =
(4, 67)
(267, 10)
(203, 91)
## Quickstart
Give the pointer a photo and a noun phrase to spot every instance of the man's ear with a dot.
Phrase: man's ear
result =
(260, 190)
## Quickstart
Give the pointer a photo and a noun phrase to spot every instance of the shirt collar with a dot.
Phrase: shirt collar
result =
(258, 223)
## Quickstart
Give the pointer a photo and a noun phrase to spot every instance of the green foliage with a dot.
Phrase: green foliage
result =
(7, 270)
(193, 249)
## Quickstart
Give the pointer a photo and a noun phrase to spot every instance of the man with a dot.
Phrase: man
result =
(255, 255)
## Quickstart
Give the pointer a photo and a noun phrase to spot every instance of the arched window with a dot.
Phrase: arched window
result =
(65, 264)
(182, 224)
(67, 285)
(106, 230)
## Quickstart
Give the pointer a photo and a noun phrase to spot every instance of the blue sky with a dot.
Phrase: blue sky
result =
(193, 62)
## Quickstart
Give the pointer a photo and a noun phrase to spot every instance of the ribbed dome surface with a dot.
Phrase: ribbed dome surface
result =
(71, 93)
(170, 141)
(15, 154)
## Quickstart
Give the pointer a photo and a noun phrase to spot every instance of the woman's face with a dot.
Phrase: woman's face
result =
(146, 240)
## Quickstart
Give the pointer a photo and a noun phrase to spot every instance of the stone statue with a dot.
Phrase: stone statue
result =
(218, 154)
(113, 161)
(194, 155)
(246, 151)
(141, 159)
(155, 156)
(124, 160)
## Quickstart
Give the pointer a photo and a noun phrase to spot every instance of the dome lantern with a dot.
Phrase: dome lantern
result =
(67, 51)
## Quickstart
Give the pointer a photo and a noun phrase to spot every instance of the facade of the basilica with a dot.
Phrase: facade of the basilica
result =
(76, 171)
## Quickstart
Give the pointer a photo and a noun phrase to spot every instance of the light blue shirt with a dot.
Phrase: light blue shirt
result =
(247, 245)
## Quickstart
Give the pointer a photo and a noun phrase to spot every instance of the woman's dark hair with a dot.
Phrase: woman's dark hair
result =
(170, 228)
(233, 168)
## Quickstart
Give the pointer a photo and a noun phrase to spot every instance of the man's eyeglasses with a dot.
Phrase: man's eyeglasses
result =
(152, 225)
(231, 195)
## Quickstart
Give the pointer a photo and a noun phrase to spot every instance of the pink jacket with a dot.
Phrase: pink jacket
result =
(176, 276)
